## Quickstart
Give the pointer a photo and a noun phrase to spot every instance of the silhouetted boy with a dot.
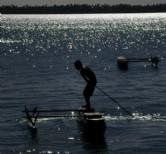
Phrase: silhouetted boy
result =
(90, 78)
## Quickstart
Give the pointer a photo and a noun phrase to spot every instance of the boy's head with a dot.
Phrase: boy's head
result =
(78, 65)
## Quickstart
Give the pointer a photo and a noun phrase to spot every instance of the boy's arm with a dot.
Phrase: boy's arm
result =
(84, 76)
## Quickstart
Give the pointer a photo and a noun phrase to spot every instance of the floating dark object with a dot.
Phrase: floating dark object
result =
(123, 61)
(92, 123)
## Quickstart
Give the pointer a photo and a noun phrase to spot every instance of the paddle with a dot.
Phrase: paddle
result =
(115, 101)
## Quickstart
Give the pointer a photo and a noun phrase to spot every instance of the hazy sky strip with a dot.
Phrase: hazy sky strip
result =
(63, 2)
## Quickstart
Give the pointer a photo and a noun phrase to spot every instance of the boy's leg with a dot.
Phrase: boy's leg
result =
(87, 99)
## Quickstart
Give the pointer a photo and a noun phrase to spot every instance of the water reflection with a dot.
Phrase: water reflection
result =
(33, 141)
(94, 142)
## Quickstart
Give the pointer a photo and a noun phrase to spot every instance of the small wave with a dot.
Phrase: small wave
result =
(9, 41)
(50, 118)
(137, 116)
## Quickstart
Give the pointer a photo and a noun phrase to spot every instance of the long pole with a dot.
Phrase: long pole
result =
(115, 101)
(56, 116)
(57, 110)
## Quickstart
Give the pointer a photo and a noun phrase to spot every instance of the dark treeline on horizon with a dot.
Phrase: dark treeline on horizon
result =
(67, 9)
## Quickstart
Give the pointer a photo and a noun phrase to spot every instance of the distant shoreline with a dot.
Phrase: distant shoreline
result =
(82, 9)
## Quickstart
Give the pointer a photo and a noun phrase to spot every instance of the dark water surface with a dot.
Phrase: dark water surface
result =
(36, 68)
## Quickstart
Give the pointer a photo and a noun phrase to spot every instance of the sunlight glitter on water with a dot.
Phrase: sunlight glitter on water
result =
(38, 71)
(137, 116)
